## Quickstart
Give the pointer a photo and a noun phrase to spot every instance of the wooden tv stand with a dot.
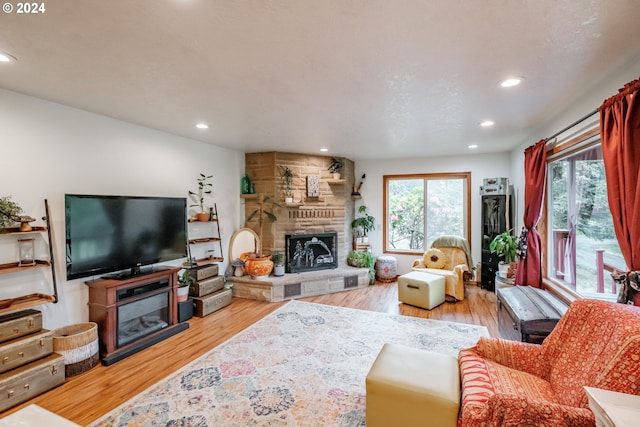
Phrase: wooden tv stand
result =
(134, 313)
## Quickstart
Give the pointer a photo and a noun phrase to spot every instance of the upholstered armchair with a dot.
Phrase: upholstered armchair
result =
(510, 383)
(450, 257)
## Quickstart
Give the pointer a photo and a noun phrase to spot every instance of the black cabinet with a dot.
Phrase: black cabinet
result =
(497, 217)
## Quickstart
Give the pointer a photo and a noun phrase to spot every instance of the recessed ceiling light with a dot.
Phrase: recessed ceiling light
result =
(486, 123)
(5, 57)
(324, 150)
(511, 81)
(472, 146)
(202, 126)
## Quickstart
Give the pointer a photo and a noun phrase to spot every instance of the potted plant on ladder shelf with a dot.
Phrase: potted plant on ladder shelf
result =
(204, 189)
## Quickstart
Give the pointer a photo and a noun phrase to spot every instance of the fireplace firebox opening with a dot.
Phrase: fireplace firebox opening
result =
(308, 252)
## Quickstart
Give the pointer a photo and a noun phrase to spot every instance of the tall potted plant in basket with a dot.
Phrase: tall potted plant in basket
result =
(260, 266)
(505, 245)
(204, 189)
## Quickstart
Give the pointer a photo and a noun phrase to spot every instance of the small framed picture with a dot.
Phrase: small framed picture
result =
(313, 186)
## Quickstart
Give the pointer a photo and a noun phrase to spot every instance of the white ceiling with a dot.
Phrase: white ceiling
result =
(364, 78)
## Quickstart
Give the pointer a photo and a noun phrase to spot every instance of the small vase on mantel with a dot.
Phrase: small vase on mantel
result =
(336, 175)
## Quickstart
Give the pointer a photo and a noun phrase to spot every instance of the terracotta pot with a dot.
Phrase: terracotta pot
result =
(203, 216)
(259, 268)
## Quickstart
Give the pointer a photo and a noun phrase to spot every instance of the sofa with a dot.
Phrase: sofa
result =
(511, 383)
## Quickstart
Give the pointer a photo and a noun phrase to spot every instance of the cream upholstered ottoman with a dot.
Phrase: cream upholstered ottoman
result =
(421, 289)
(412, 387)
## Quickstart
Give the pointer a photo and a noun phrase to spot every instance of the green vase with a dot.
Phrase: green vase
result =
(245, 185)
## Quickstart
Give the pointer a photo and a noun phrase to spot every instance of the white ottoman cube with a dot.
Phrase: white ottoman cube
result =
(411, 387)
(421, 289)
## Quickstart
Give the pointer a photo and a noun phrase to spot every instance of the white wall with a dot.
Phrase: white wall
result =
(49, 149)
(481, 166)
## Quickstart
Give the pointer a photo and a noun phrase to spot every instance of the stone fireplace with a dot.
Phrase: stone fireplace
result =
(331, 211)
(322, 209)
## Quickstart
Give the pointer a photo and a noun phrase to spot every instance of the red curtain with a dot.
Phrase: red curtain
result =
(535, 173)
(620, 134)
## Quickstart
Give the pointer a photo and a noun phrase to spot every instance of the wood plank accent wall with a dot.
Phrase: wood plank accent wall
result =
(332, 211)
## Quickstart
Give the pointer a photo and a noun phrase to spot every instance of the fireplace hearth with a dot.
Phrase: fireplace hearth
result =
(310, 252)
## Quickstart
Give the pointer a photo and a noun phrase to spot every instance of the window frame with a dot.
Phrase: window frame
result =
(588, 138)
(466, 176)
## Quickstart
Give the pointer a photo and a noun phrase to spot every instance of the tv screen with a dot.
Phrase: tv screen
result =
(106, 234)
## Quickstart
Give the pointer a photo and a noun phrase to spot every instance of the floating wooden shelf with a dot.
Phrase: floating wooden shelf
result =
(294, 205)
(249, 196)
(336, 181)
(24, 302)
(195, 220)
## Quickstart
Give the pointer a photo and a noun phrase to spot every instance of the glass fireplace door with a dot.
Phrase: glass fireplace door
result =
(142, 317)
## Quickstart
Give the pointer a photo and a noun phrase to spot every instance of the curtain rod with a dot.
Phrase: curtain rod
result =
(580, 120)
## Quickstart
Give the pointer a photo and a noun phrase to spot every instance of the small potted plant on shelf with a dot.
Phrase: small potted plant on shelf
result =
(505, 245)
(184, 282)
(278, 263)
(204, 189)
(287, 182)
(9, 212)
(335, 167)
(362, 225)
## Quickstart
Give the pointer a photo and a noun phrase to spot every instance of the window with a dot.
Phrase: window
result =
(419, 208)
(581, 241)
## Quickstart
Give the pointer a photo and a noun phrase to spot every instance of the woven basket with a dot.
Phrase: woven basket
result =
(79, 345)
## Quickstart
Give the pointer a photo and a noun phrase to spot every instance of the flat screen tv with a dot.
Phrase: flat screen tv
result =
(109, 234)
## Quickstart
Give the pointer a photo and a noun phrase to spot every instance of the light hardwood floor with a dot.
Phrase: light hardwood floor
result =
(87, 396)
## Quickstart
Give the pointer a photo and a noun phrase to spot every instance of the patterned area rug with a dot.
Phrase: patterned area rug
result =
(304, 364)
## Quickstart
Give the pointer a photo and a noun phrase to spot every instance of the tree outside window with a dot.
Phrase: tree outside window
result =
(420, 208)
(583, 244)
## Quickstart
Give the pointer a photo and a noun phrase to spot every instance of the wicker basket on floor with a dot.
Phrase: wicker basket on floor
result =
(78, 344)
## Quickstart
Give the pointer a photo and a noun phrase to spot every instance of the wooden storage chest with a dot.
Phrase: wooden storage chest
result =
(25, 349)
(527, 314)
(206, 286)
(212, 302)
(19, 324)
(203, 272)
(27, 381)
